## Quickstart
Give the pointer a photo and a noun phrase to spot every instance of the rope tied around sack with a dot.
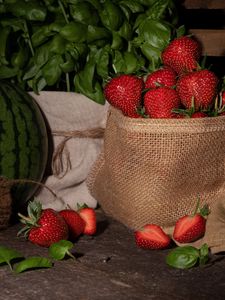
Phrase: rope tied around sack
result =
(58, 165)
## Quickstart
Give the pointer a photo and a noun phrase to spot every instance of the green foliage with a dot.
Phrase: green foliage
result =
(188, 256)
(49, 44)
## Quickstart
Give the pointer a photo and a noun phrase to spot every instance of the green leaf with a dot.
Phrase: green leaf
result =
(52, 71)
(183, 257)
(33, 262)
(134, 5)
(7, 72)
(7, 254)
(156, 33)
(203, 254)
(60, 249)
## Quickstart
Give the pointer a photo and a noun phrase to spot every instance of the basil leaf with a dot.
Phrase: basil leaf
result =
(134, 5)
(85, 13)
(183, 257)
(111, 15)
(156, 33)
(203, 254)
(102, 66)
(74, 32)
(33, 262)
(157, 10)
(60, 249)
(52, 71)
(7, 255)
(7, 72)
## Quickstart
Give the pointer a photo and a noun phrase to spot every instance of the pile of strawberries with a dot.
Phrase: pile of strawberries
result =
(179, 88)
(187, 229)
(44, 227)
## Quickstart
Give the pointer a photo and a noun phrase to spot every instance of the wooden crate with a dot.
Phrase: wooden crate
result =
(206, 20)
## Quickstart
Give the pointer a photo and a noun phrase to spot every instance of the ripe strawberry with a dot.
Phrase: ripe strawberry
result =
(161, 77)
(89, 216)
(152, 236)
(43, 227)
(182, 54)
(190, 228)
(124, 92)
(200, 86)
(74, 222)
(160, 102)
(199, 114)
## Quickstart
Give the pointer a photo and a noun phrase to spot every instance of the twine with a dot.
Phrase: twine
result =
(58, 167)
(6, 184)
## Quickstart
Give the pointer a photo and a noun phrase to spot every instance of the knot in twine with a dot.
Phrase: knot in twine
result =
(58, 167)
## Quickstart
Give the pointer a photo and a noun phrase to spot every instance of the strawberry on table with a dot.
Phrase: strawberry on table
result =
(89, 216)
(160, 102)
(152, 236)
(200, 86)
(125, 93)
(164, 76)
(43, 226)
(190, 228)
(182, 54)
(74, 222)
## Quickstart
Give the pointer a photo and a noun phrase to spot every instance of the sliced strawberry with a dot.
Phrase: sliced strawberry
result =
(74, 222)
(89, 216)
(190, 228)
(152, 236)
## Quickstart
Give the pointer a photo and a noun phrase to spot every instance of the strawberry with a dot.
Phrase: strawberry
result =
(125, 93)
(43, 227)
(190, 228)
(199, 114)
(89, 216)
(161, 77)
(182, 54)
(200, 86)
(74, 222)
(159, 102)
(151, 236)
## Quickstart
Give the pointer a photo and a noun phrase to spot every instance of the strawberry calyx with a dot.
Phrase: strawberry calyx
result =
(34, 210)
(204, 211)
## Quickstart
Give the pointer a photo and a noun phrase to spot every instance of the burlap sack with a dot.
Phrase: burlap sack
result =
(152, 170)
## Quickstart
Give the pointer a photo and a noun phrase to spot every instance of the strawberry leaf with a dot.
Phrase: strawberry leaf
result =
(33, 262)
(60, 249)
(183, 257)
(7, 255)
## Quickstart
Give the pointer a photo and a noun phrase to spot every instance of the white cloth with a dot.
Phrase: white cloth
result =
(66, 111)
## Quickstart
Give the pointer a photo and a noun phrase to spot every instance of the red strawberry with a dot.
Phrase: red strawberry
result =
(43, 227)
(74, 222)
(161, 77)
(152, 236)
(89, 216)
(159, 102)
(182, 54)
(124, 92)
(199, 114)
(200, 86)
(190, 228)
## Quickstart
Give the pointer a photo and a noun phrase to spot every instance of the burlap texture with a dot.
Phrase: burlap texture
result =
(152, 170)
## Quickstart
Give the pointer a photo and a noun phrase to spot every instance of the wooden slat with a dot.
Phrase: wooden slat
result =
(204, 4)
(213, 41)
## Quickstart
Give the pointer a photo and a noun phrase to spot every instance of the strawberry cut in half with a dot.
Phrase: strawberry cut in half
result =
(151, 236)
(89, 216)
(190, 228)
(74, 222)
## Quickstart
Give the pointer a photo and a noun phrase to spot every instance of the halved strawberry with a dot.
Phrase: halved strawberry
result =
(89, 216)
(74, 222)
(190, 228)
(151, 236)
